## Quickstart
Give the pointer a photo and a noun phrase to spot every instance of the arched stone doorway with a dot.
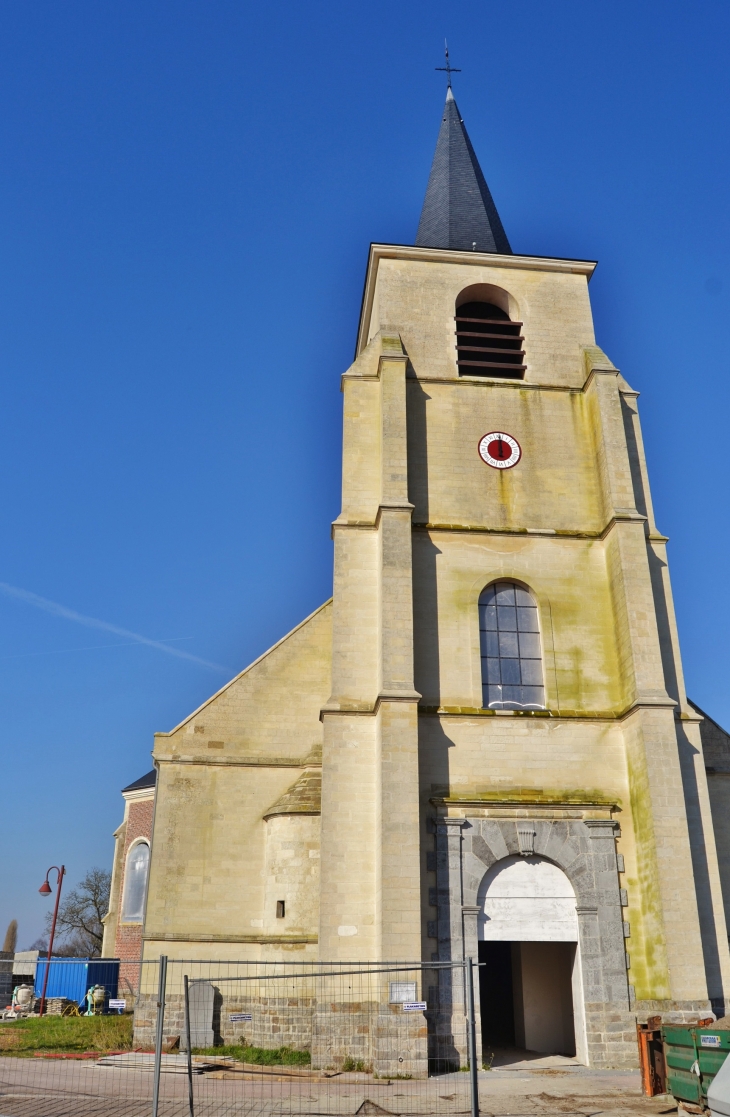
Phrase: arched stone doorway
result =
(530, 985)
(469, 846)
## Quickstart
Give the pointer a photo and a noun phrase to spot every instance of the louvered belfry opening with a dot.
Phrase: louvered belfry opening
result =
(488, 343)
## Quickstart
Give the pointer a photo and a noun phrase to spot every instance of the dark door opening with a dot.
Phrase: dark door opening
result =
(496, 995)
(526, 996)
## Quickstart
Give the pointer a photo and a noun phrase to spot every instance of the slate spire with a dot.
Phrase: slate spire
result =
(458, 211)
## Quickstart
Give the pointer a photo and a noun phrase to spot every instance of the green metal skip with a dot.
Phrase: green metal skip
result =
(693, 1056)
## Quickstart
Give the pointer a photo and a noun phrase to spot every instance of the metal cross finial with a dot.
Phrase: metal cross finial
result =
(448, 69)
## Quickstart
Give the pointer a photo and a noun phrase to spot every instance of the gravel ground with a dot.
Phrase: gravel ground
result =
(540, 1088)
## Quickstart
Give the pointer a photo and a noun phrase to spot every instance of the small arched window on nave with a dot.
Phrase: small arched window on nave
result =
(509, 635)
(135, 882)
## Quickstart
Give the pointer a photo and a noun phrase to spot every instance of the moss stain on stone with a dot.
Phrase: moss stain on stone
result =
(649, 971)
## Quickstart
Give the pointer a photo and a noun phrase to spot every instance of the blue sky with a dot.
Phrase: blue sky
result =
(187, 194)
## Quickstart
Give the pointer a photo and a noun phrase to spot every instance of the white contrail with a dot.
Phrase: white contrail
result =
(91, 622)
(87, 648)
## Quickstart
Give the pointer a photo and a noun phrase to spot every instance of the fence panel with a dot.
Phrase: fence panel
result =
(272, 1039)
(57, 1066)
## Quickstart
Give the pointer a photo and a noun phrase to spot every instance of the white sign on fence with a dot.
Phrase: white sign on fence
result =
(414, 1006)
(240, 1017)
(113, 1003)
(402, 991)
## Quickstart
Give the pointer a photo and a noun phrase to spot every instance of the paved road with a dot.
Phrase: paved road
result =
(49, 1088)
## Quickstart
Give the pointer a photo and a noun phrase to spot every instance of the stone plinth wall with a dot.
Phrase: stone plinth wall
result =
(343, 1031)
(277, 1021)
(679, 1012)
(611, 1034)
(373, 1036)
(145, 1019)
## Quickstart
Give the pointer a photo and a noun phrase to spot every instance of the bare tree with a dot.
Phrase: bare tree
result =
(80, 913)
(62, 948)
(11, 937)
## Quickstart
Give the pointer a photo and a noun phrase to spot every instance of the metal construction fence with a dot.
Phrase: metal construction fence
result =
(276, 1039)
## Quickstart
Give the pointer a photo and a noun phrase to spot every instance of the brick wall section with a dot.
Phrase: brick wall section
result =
(128, 941)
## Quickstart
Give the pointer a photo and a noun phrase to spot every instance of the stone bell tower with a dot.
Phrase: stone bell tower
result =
(507, 713)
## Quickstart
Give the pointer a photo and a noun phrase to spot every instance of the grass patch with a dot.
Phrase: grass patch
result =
(60, 1034)
(263, 1056)
(355, 1064)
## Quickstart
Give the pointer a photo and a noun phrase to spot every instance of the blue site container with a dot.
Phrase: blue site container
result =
(73, 977)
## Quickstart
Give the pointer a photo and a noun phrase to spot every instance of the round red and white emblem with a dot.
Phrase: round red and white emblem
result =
(499, 450)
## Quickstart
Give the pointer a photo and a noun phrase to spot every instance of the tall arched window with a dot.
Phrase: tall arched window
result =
(135, 882)
(509, 634)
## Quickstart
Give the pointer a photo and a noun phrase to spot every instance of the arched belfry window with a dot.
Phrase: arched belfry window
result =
(135, 882)
(509, 634)
(488, 342)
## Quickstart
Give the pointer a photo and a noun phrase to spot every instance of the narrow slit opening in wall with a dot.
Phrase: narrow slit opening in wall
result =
(280, 909)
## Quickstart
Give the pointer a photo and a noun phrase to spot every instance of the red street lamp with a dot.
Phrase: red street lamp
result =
(45, 890)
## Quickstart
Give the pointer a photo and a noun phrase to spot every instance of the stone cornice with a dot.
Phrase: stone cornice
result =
(400, 507)
(497, 381)
(598, 371)
(621, 516)
(627, 516)
(373, 525)
(472, 381)
(481, 259)
(369, 709)
(650, 702)
(139, 795)
(162, 936)
(601, 827)
(242, 761)
(525, 806)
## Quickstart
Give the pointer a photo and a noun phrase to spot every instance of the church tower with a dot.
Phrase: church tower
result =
(481, 747)
(511, 769)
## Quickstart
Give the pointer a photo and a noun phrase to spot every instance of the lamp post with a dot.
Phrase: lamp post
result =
(45, 890)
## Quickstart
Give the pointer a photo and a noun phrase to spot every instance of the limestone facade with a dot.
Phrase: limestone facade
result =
(377, 700)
